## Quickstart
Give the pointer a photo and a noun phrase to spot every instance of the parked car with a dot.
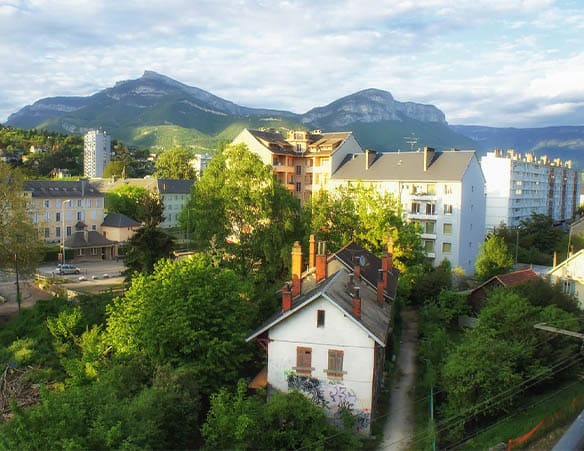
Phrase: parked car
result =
(67, 269)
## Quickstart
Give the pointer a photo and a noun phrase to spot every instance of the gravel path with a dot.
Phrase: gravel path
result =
(399, 427)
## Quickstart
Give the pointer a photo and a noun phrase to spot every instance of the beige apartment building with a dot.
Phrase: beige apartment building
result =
(303, 161)
(57, 206)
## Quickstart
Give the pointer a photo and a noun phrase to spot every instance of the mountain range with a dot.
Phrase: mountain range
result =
(155, 110)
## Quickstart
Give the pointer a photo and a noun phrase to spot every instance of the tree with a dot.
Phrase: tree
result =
(494, 258)
(115, 168)
(186, 313)
(128, 200)
(285, 421)
(363, 214)
(20, 245)
(175, 164)
(150, 243)
(241, 212)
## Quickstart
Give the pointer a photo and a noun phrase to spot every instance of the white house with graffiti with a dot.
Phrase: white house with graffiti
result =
(329, 339)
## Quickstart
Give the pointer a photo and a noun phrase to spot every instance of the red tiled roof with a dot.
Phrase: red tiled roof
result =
(517, 277)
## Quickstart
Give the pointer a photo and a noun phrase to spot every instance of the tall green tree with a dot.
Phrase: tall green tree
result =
(243, 213)
(20, 245)
(128, 200)
(494, 258)
(363, 214)
(175, 163)
(150, 243)
(186, 313)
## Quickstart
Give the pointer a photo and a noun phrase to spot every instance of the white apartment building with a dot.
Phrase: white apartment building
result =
(518, 186)
(97, 150)
(444, 192)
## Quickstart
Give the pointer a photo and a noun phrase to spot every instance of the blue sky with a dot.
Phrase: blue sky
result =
(488, 62)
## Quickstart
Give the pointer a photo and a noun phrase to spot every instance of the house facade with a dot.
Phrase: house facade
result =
(519, 185)
(570, 274)
(303, 161)
(443, 192)
(56, 206)
(329, 340)
(119, 227)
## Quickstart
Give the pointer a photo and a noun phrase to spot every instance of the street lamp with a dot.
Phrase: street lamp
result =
(63, 227)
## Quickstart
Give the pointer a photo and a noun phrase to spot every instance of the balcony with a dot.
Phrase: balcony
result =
(422, 216)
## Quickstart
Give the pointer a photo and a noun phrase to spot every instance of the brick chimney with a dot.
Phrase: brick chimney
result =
(380, 286)
(312, 252)
(428, 156)
(386, 266)
(321, 269)
(357, 268)
(357, 303)
(286, 298)
(296, 269)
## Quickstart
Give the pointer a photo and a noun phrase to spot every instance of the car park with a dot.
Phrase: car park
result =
(67, 269)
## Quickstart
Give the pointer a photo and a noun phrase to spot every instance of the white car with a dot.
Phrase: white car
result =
(67, 269)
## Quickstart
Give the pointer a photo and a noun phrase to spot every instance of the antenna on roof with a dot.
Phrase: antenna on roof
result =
(412, 140)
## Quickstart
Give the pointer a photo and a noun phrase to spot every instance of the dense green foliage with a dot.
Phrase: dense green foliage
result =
(128, 200)
(363, 214)
(536, 239)
(175, 163)
(494, 258)
(285, 421)
(239, 211)
(488, 370)
(52, 150)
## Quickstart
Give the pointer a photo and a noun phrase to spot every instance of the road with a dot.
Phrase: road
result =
(399, 426)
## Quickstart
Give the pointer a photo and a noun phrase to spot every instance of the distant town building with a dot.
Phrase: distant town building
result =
(56, 206)
(174, 193)
(443, 192)
(97, 150)
(200, 163)
(518, 186)
(303, 161)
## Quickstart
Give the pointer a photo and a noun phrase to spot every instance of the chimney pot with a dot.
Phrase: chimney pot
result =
(296, 269)
(321, 266)
(356, 303)
(312, 252)
(286, 298)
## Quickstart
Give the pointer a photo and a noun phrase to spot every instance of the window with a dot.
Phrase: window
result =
(415, 207)
(89, 203)
(447, 209)
(298, 169)
(46, 203)
(429, 227)
(80, 253)
(447, 229)
(335, 363)
(569, 287)
(428, 245)
(68, 230)
(430, 209)
(94, 227)
(447, 248)
(47, 232)
(447, 189)
(320, 318)
(79, 203)
(303, 361)
(57, 232)
(79, 216)
(57, 216)
(298, 187)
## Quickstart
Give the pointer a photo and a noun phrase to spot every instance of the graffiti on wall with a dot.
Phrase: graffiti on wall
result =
(333, 396)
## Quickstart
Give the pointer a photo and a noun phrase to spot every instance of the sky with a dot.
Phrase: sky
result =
(503, 63)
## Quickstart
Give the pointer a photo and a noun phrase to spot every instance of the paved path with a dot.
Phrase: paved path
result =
(399, 428)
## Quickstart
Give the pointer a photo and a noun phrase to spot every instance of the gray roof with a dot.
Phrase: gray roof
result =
(369, 270)
(119, 220)
(174, 186)
(319, 143)
(406, 166)
(94, 239)
(375, 318)
(62, 188)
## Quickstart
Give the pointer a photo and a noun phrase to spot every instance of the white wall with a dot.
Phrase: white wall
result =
(350, 146)
(497, 172)
(338, 333)
(245, 137)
